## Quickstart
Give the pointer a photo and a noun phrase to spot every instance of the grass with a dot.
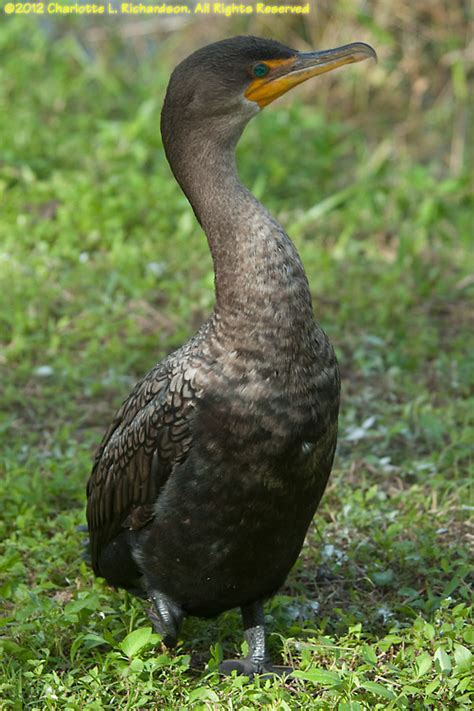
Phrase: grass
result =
(103, 271)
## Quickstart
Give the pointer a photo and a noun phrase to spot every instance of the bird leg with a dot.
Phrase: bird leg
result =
(257, 660)
(166, 617)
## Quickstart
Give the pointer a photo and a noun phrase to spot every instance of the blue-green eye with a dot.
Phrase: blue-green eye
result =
(260, 70)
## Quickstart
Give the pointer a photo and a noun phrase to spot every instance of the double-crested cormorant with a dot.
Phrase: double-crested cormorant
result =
(205, 484)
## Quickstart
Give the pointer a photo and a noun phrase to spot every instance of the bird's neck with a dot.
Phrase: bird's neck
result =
(258, 273)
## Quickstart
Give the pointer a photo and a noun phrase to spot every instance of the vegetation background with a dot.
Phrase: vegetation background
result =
(103, 271)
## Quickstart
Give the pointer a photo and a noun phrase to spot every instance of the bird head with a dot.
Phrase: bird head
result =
(239, 76)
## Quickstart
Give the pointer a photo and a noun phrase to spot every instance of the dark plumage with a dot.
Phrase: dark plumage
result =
(205, 483)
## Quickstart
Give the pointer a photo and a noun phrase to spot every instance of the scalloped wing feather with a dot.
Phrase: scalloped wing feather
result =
(148, 437)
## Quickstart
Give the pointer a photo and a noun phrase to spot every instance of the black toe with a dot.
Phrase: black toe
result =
(276, 670)
(245, 667)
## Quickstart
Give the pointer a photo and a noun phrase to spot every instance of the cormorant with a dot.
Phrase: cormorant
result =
(205, 483)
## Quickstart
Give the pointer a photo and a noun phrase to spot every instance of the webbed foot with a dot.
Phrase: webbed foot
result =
(258, 660)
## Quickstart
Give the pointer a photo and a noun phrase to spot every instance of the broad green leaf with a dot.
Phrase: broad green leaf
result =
(183, 661)
(383, 577)
(411, 690)
(88, 641)
(469, 635)
(93, 640)
(388, 641)
(369, 655)
(442, 660)
(379, 690)
(217, 655)
(429, 631)
(9, 562)
(88, 602)
(137, 665)
(319, 676)
(464, 684)
(14, 650)
(432, 686)
(463, 658)
(203, 693)
(423, 664)
(161, 660)
(135, 641)
(464, 701)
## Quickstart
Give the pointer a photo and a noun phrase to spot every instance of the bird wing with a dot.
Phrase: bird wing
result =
(148, 437)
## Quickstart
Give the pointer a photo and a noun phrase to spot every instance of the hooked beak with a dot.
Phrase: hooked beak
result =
(286, 73)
